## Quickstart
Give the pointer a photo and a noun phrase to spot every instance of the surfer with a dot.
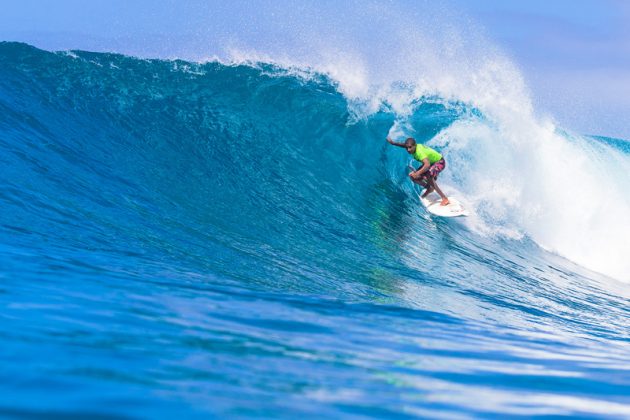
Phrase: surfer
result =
(432, 164)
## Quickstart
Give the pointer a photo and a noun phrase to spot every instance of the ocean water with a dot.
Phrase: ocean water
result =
(236, 239)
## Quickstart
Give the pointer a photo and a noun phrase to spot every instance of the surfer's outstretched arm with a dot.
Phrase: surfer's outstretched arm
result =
(390, 141)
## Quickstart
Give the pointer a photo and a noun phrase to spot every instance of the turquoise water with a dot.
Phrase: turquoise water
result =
(195, 240)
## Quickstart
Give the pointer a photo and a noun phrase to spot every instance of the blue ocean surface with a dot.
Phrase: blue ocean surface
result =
(199, 240)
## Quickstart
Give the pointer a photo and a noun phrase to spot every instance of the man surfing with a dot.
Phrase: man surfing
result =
(432, 164)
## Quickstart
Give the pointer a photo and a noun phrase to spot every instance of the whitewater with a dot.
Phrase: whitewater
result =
(233, 237)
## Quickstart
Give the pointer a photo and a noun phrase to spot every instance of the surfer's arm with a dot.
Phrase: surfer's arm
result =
(425, 167)
(390, 141)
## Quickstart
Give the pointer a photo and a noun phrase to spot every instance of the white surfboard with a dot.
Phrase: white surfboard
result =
(453, 209)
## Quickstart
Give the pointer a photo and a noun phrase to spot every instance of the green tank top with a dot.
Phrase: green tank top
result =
(423, 152)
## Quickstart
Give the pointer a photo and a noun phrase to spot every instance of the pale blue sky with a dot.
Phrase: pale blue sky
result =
(574, 54)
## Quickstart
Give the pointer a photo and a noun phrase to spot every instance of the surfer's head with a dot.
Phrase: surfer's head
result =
(410, 145)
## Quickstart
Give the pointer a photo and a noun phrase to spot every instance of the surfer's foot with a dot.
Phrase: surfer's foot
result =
(445, 202)
(427, 192)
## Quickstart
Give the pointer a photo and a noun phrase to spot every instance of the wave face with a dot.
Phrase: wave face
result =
(240, 240)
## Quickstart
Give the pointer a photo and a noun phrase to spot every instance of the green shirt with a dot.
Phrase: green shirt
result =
(423, 152)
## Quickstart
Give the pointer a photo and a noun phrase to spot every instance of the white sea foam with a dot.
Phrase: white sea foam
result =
(568, 193)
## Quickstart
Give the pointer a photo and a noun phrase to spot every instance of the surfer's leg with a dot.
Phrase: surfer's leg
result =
(422, 182)
(432, 175)
(433, 185)
(427, 185)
